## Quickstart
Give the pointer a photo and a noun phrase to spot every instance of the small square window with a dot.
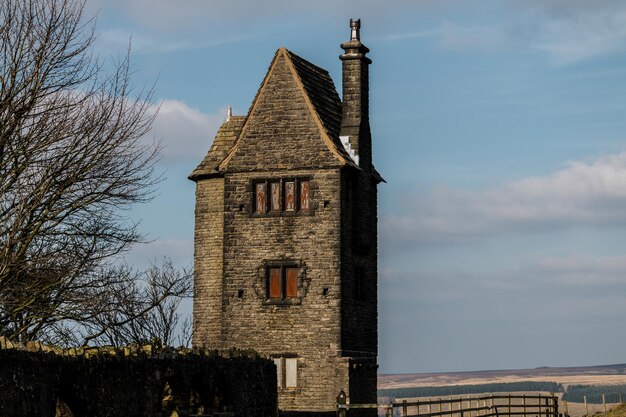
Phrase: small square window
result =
(282, 282)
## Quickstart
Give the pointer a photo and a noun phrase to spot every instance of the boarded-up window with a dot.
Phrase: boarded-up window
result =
(279, 371)
(291, 284)
(286, 372)
(290, 196)
(275, 283)
(305, 198)
(291, 372)
(275, 196)
(260, 197)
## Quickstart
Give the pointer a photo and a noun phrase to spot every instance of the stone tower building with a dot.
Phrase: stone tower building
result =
(285, 235)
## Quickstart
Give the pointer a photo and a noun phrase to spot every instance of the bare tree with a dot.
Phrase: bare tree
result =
(139, 307)
(71, 164)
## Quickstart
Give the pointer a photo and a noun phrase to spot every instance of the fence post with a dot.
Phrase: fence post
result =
(586, 406)
(341, 400)
(556, 405)
(389, 412)
(566, 409)
(604, 403)
(405, 412)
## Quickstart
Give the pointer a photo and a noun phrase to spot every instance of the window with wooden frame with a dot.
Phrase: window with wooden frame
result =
(281, 282)
(286, 195)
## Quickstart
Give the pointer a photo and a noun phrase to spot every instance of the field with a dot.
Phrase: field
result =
(592, 375)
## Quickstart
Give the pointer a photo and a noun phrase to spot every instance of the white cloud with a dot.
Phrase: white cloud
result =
(457, 37)
(566, 31)
(185, 133)
(189, 15)
(454, 36)
(572, 38)
(589, 193)
(117, 40)
(584, 270)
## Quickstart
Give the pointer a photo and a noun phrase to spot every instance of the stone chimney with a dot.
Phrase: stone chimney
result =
(355, 127)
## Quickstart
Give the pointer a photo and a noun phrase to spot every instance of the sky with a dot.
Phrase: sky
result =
(499, 127)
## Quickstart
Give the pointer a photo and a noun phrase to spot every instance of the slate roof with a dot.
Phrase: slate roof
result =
(321, 93)
(224, 140)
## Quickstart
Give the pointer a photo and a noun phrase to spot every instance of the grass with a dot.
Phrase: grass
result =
(617, 411)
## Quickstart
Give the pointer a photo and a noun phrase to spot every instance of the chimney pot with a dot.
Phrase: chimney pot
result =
(355, 26)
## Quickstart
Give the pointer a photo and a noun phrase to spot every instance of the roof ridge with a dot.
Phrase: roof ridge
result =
(327, 137)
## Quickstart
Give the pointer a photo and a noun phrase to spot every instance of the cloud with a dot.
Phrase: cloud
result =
(116, 40)
(584, 270)
(584, 194)
(565, 31)
(454, 36)
(572, 38)
(168, 16)
(185, 133)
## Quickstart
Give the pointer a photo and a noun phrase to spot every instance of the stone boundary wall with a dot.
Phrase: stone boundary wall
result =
(142, 381)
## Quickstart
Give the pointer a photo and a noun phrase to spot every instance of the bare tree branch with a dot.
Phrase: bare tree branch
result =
(71, 164)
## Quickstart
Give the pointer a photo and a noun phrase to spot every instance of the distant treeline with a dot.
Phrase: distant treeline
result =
(470, 389)
(576, 393)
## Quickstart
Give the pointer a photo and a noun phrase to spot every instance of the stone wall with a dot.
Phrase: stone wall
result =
(359, 265)
(208, 255)
(135, 381)
(309, 328)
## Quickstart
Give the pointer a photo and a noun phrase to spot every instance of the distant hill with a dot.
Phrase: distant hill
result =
(589, 375)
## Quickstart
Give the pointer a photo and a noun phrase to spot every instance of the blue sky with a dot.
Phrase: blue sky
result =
(499, 126)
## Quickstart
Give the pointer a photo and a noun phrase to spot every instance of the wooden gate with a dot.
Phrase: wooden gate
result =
(482, 406)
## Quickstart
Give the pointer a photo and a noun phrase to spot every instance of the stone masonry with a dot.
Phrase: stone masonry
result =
(325, 320)
(135, 381)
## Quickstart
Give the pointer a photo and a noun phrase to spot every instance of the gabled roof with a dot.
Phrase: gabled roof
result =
(321, 92)
(321, 97)
(224, 140)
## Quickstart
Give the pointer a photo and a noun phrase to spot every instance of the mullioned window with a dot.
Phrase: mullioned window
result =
(281, 196)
